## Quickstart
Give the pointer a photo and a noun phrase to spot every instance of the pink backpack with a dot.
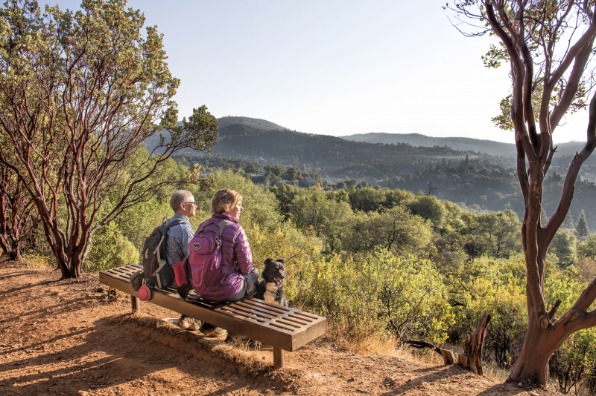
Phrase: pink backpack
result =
(204, 260)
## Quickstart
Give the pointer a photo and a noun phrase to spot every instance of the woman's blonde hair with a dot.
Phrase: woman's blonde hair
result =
(224, 200)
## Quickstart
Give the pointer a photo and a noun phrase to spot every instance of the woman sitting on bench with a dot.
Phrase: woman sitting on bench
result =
(239, 277)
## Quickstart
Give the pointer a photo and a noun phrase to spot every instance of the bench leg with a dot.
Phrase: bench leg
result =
(278, 357)
(134, 304)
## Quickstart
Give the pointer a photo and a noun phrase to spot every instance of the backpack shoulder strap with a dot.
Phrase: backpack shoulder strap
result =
(173, 222)
(164, 246)
(223, 224)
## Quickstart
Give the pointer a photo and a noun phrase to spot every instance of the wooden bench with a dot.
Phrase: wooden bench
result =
(281, 327)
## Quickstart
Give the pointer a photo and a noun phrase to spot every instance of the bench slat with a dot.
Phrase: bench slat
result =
(272, 324)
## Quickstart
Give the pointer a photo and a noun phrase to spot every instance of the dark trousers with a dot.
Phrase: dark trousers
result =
(249, 287)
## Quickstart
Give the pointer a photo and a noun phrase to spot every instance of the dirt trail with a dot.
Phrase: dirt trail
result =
(66, 338)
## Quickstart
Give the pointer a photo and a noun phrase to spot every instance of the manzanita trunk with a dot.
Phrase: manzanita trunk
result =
(548, 45)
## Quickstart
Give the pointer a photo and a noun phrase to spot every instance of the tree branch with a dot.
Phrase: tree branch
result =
(579, 53)
(553, 310)
(581, 60)
(577, 318)
(569, 185)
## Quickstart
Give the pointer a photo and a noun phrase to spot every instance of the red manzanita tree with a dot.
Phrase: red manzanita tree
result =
(549, 46)
(79, 94)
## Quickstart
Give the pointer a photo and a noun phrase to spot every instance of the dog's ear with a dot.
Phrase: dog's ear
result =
(269, 259)
(281, 260)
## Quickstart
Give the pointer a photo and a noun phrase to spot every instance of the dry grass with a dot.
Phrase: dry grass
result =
(390, 347)
(37, 261)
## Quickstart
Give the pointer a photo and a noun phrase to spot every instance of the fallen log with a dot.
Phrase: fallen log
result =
(472, 357)
(448, 355)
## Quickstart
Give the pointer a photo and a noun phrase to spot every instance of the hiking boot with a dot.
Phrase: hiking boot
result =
(243, 342)
(188, 323)
(209, 330)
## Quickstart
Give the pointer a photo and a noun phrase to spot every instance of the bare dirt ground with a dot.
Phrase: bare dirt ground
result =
(67, 338)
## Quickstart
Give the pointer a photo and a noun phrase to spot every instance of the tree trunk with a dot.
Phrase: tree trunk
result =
(70, 265)
(532, 365)
(539, 345)
(15, 254)
(70, 269)
(11, 247)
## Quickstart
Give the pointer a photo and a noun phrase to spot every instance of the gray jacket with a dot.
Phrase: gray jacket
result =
(178, 238)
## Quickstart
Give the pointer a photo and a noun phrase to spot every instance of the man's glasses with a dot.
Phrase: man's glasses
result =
(194, 203)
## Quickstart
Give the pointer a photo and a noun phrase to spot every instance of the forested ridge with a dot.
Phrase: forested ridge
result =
(466, 175)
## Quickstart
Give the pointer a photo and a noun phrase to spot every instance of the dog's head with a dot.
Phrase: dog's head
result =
(274, 271)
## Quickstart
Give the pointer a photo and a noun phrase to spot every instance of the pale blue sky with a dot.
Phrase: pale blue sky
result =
(334, 67)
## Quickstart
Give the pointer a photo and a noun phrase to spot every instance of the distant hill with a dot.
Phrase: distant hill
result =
(254, 123)
(457, 143)
(334, 158)
(478, 174)
(490, 147)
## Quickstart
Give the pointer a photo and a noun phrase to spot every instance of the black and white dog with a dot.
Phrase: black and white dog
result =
(271, 287)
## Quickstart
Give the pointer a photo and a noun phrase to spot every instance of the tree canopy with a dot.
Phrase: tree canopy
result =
(79, 93)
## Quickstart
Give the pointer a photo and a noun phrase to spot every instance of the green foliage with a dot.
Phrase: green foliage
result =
(285, 194)
(138, 222)
(395, 229)
(575, 360)
(311, 209)
(286, 242)
(430, 208)
(378, 292)
(110, 249)
(87, 89)
(587, 248)
(494, 286)
(385, 272)
(494, 234)
(260, 205)
(494, 57)
(367, 199)
(397, 197)
(503, 120)
(564, 247)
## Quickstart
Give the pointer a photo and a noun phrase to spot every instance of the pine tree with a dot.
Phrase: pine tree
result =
(582, 230)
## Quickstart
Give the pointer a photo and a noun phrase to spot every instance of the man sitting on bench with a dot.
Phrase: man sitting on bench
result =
(184, 206)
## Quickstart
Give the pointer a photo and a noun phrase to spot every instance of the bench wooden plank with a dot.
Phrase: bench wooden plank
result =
(271, 324)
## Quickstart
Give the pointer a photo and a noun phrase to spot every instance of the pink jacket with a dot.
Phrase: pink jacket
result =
(236, 260)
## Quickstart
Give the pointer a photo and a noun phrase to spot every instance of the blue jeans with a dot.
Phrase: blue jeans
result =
(249, 286)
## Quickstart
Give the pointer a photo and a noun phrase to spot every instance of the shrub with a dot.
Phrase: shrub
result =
(378, 293)
(109, 249)
(497, 287)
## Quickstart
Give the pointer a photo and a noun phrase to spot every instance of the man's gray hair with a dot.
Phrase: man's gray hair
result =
(178, 197)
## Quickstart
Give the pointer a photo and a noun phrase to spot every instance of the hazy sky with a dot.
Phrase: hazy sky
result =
(334, 67)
